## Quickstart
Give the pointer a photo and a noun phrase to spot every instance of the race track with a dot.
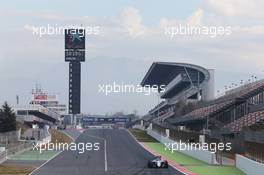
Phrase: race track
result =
(122, 155)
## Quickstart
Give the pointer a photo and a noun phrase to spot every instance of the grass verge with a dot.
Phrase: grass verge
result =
(192, 164)
(142, 136)
(59, 137)
(15, 169)
(34, 155)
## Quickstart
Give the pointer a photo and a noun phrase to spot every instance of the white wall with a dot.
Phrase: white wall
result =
(248, 166)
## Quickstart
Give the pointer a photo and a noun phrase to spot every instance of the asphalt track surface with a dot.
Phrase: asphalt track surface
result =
(122, 156)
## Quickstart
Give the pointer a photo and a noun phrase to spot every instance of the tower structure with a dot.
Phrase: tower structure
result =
(74, 54)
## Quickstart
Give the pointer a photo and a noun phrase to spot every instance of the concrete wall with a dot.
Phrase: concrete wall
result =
(248, 166)
(202, 155)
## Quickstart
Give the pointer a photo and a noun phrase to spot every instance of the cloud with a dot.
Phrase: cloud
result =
(253, 30)
(130, 20)
(147, 42)
(126, 36)
(195, 18)
(238, 8)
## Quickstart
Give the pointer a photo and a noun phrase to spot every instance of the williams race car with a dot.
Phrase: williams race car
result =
(158, 162)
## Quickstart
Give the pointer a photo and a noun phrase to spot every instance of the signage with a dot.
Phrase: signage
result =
(74, 45)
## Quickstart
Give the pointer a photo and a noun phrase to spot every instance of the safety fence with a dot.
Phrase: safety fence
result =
(177, 135)
(20, 147)
(8, 137)
(255, 151)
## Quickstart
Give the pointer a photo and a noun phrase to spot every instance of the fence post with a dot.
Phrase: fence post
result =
(150, 126)
(167, 133)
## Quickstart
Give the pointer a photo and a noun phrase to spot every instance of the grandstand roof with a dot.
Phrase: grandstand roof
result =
(162, 73)
(180, 80)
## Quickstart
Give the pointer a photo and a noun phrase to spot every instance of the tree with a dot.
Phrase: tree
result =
(2, 121)
(7, 118)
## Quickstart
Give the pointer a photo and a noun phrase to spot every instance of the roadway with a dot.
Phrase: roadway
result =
(119, 154)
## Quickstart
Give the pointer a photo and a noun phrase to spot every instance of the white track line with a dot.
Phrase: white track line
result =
(45, 163)
(105, 153)
(53, 156)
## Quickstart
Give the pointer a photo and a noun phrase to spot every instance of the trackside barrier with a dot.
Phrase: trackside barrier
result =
(8, 137)
(138, 127)
(18, 149)
(248, 166)
(3, 154)
(202, 155)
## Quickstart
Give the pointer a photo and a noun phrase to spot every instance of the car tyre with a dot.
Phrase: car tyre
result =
(149, 164)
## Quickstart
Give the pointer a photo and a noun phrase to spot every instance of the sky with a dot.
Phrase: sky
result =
(131, 37)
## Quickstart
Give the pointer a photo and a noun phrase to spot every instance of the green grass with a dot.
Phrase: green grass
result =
(34, 155)
(178, 157)
(142, 136)
(194, 165)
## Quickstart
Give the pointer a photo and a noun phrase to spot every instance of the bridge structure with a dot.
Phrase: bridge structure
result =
(36, 113)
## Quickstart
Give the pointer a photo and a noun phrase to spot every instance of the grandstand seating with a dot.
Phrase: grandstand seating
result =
(245, 121)
(200, 113)
(223, 102)
(163, 115)
(205, 111)
(243, 91)
(160, 105)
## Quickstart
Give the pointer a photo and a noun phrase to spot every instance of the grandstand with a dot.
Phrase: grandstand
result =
(232, 111)
(189, 106)
(183, 82)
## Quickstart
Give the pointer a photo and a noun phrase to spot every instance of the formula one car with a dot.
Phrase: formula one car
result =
(158, 162)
